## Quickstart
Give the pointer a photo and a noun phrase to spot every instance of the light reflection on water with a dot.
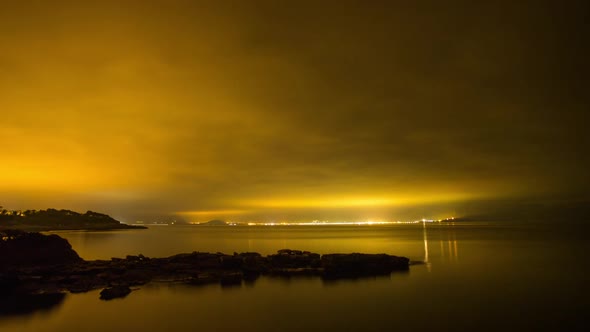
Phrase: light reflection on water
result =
(477, 277)
(405, 240)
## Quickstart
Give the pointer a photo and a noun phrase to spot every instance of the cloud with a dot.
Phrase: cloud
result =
(141, 108)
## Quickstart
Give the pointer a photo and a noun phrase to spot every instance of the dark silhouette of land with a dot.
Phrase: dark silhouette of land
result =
(214, 222)
(33, 263)
(52, 219)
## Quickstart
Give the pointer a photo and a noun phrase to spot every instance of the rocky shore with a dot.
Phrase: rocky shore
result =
(33, 263)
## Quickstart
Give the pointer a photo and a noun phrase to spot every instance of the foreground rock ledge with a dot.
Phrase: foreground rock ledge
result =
(32, 263)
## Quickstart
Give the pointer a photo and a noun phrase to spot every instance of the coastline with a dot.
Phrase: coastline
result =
(35, 263)
(60, 220)
(34, 228)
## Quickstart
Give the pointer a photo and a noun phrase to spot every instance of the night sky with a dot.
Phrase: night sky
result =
(295, 110)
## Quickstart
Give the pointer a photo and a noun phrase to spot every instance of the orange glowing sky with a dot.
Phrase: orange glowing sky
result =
(254, 108)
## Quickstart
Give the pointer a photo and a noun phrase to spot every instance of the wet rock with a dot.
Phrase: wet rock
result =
(114, 292)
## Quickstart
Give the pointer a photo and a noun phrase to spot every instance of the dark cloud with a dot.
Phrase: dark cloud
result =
(156, 107)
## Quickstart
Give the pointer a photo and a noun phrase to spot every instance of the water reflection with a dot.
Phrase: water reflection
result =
(425, 235)
(161, 242)
(449, 247)
(501, 273)
(448, 244)
(28, 304)
(362, 279)
(231, 286)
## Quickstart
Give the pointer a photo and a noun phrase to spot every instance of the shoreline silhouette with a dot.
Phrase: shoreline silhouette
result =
(34, 263)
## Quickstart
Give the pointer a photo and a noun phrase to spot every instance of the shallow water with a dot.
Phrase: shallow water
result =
(478, 276)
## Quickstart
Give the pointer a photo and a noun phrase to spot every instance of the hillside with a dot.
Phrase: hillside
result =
(52, 219)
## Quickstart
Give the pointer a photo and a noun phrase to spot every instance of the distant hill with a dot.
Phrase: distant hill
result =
(215, 222)
(52, 219)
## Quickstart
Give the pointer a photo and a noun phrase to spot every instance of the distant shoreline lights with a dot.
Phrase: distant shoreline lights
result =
(340, 223)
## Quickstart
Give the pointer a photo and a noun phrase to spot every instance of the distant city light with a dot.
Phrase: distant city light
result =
(369, 222)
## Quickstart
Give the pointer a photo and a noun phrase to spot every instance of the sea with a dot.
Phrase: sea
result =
(472, 276)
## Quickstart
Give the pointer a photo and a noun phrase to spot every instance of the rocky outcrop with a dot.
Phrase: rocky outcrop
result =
(18, 248)
(34, 263)
(287, 258)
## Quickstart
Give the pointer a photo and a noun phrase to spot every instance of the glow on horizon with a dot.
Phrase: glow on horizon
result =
(389, 200)
(213, 212)
(335, 223)
(321, 203)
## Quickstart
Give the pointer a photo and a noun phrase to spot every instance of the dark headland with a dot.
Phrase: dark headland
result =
(53, 220)
(34, 263)
(214, 222)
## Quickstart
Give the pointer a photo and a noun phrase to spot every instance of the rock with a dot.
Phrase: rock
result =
(253, 264)
(203, 279)
(231, 262)
(287, 258)
(114, 292)
(300, 271)
(289, 252)
(19, 248)
(132, 258)
(136, 277)
(231, 278)
(32, 263)
(201, 260)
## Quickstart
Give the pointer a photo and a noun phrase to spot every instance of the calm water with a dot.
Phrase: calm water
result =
(491, 276)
